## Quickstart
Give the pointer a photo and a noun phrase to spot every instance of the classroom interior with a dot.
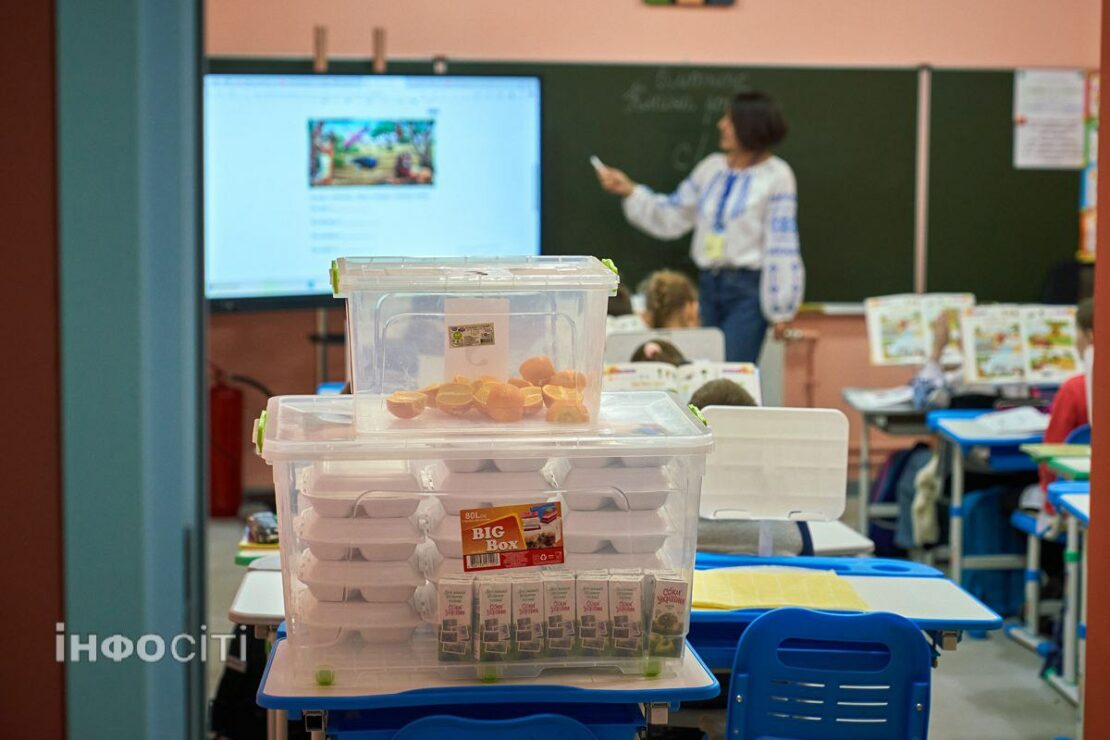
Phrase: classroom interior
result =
(190, 350)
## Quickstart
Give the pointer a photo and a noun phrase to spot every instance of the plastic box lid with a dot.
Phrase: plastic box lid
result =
(471, 274)
(310, 428)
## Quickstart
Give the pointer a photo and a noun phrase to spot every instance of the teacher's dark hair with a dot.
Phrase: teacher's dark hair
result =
(758, 121)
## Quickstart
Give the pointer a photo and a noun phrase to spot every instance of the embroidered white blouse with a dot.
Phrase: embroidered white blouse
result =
(752, 211)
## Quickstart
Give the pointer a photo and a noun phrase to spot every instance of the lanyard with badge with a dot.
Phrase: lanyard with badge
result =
(714, 245)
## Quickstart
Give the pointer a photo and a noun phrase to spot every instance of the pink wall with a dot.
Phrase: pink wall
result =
(272, 346)
(950, 33)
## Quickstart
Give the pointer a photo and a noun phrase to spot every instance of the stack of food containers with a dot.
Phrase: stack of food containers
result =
(435, 521)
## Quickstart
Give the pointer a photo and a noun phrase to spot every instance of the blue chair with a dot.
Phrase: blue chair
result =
(804, 674)
(1079, 436)
(534, 727)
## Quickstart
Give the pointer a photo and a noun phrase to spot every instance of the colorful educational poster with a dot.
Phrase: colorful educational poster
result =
(1051, 353)
(1049, 106)
(1020, 344)
(900, 327)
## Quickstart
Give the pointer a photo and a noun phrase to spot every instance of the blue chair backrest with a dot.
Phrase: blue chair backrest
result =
(805, 674)
(1079, 436)
(533, 727)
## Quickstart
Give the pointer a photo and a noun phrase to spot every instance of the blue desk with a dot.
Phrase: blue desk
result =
(1074, 500)
(976, 447)
(913, 590)
(609, 704)
(902, 419)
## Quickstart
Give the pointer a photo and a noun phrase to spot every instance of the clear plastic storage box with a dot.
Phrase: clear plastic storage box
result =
(384, 566)
(469, 343)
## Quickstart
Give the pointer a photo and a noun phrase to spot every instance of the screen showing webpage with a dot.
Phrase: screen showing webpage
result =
(301, 169)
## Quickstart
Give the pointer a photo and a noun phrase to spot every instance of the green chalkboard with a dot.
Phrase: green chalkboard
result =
(851, 143)
(993, 230)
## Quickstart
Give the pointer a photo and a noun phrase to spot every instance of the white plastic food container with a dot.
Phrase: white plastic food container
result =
(627, 532)
(373, 539)
(327, 622)
(347, 580)
(611, 498)
(415, 323)
(353, 583)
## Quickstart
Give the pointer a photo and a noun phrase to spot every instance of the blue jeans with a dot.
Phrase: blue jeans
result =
(730, 301)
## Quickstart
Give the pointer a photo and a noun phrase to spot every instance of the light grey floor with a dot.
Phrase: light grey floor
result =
(223, 580)
(985, 690)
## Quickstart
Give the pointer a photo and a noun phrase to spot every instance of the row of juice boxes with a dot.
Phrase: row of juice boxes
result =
(621, 613)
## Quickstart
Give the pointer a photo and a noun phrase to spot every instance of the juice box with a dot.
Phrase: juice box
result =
(669, 615)
(455, 617)
(626, 609)
(494, 617)
(559, 612)
(592, 595)
(528, 616)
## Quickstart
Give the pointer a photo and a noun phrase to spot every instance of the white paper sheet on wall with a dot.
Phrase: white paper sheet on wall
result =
(1048, 118)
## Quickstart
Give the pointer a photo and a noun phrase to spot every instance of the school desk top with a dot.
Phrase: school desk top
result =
(1060, 488)
(858, 399)
(692, 681)
(837, 538)
(1072, 468)
(1078, 505)
(963, 427)
(260, 600)
(1042, 452)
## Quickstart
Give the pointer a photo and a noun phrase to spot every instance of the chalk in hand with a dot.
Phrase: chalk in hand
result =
(597, 163)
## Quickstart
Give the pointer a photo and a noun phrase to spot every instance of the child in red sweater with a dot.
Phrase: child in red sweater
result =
(1069, 409)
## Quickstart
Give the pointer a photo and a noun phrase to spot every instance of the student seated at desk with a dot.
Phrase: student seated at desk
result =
(671, 301)
(621, 316)
(936, 386)
(659, 350)
(737, 536)
(1069, 408)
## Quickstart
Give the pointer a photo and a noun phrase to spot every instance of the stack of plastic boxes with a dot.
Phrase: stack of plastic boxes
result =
(435, 521)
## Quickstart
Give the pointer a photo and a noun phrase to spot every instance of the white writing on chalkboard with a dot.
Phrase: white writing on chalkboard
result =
(687, 92)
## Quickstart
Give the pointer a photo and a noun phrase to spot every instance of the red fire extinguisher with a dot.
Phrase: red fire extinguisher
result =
(225, 447)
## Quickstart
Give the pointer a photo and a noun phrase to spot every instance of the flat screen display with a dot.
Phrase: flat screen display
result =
(301, 169)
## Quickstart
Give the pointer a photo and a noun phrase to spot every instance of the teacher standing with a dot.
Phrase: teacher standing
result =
(741, 204)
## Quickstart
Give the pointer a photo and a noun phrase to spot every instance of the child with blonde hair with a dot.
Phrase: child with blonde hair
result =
(671, 301)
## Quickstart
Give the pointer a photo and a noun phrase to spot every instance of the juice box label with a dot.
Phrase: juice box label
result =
(494, 618)
(559, 613)
(626, 609)
(518, 536)
(669, 616)
(528, 617)
(592, 595)
(455, 618)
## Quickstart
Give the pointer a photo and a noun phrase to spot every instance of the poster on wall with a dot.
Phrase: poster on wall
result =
(1049, 119)
(1088, 191)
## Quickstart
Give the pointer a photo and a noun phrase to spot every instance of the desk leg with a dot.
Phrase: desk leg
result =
(956, 517)
(1071, 599)
(277, 724)
(1033, 586)
(1082, 678)
(864, 475)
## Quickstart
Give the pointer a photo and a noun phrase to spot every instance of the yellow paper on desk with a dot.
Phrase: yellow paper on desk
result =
(771, 587)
